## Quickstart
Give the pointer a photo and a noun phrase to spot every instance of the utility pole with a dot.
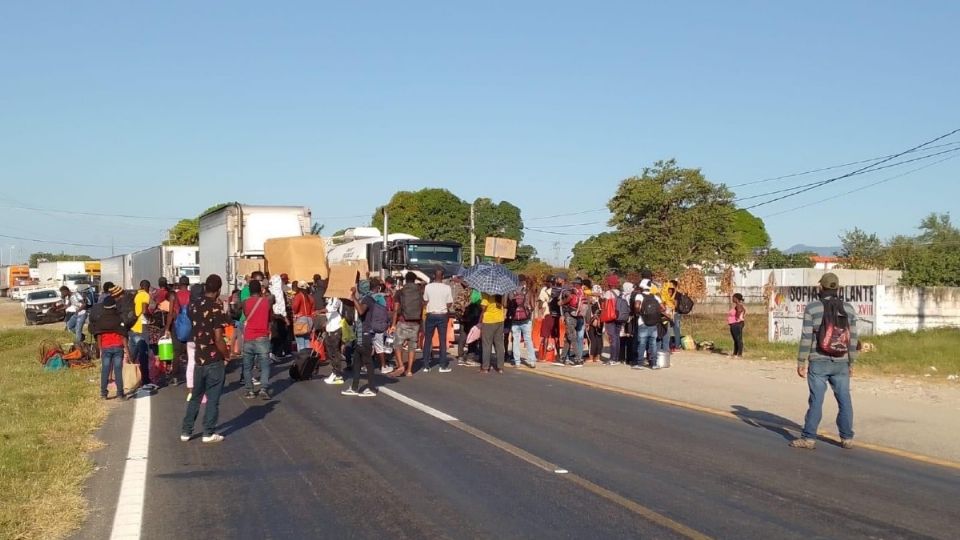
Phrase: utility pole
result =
(386, 226)
(473, 235)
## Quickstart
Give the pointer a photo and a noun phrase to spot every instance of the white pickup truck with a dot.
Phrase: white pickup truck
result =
(42, 307)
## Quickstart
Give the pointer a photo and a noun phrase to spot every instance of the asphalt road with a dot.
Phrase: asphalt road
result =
(315, 464)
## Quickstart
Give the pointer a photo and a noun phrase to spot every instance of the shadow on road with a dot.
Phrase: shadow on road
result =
(766, 420)
(251, 415)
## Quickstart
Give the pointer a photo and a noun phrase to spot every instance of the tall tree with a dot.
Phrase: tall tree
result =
(187, 231)
(50, 257)
(750, 232)
(860, 251)
(932, 259)
(774, 258)
(665, 219)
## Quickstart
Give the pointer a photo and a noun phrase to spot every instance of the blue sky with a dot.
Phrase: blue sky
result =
(160, 110)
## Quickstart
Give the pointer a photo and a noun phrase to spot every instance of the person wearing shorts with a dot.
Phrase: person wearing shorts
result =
(405, 341)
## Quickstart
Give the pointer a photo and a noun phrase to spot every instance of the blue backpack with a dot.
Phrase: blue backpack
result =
(183, 326)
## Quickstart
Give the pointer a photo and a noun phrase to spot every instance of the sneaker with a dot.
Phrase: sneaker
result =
(189, 395)
(655, 366)
(461, 363)
(846, 444)
(350, 392)
(265, 395)
(445, 370)
(806, 444)
(215, 438)
(637, 367)
(185, 438)
(250, 395)
(471, 363)
(256, 381)
(578, 364)
(333, 379)
(175, 382)
(367, 393)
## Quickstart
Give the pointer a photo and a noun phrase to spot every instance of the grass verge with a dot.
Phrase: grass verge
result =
(899, 353)
(46, 431)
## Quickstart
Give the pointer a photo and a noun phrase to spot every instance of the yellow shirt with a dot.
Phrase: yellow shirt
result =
(140, 303)
(668, 296)
(491, 313)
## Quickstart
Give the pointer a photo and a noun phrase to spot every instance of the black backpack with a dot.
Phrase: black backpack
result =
(833, 336)
(684, 303)
(377, 317)
(411, 302)
(128, 313)
(650, 310)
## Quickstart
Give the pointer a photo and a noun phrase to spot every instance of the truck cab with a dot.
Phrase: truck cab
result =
(418, 256)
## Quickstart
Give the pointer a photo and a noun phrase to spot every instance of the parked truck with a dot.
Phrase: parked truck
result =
(170, 262)
(71, 274)
(116, 270)
(404, 253)
(232, 238)
(12, 276)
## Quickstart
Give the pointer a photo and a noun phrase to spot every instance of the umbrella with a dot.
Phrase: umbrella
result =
(490, 278)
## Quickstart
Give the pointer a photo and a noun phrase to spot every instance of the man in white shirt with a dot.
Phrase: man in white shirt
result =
(76, 312)
(333, 339)
(439, 298)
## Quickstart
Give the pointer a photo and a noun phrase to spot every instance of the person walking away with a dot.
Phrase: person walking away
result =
(493, 317)
(209, 319)
(594, 326)
(303, 309)
(572, 300)
(256, 341)
(470, 353)
(107, 328)
(736, 318)
(333, 340)
(439, 299)
(181, 308)
(628, 328)
(406, 324)
(137, 338)
(550, 308)
(827, 352)
(608, 317)
(669, 296)
(649, 315)
(374, 319)
(520, 310)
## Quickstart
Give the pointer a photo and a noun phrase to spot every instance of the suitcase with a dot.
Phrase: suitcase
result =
(663, 359)
(304, 364)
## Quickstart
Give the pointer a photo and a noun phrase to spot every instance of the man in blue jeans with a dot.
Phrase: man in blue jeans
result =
(832, 367)
(439, 298)
(256, 340)
(647, 327)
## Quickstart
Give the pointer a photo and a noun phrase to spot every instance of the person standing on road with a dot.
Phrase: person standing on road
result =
(182, 300)
(333, 340)
(106, 326)
(139, 345)
(406, 324)
(256, 341)
(494, 315)
(520, 309)
(439, 299)
(828, 349)
(209, 319)
(303, 309)
(649, 314)
(375, 319)
(669, 296)
(736, 318)
(593, 324)
(611, 327)
(571, 303)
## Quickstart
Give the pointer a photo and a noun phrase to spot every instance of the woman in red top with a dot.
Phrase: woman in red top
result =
(303, 309)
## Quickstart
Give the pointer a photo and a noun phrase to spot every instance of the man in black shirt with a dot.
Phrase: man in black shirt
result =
(209, 319)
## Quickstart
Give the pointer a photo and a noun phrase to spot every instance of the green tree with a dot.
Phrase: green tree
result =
(932, 259)
(860, 251)
(665, 219)
(187, 231)
(39, 257)
(750, 232)
(597, 255)
(774, 258)
(316, 229)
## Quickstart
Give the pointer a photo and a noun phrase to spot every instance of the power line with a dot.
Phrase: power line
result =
(831, 167)
(849, 174)
(870, 185)
(567, 214)
(90, 214)
(897, 164)
(73, 244)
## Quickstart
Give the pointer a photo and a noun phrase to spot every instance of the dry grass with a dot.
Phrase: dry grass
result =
(46, 431)
(900, 353)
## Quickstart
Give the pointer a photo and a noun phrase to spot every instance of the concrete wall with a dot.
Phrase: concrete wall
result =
(917, 308)
(750, 283)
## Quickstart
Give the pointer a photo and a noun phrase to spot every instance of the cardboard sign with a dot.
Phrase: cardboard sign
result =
(245, 267)
(344, 277)
(300, 257)
(500, 248)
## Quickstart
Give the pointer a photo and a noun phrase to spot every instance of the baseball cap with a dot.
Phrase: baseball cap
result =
(829, 281)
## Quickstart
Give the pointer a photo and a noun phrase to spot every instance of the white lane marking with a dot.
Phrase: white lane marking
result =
(128, 520)
(419, 406)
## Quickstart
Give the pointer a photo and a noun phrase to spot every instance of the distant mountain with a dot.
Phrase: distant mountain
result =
(822, 251)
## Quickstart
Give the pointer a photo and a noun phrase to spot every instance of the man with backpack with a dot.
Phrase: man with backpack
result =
(376, 320)
(828, 349)
(439, 299)
(182, 328)
(406, 324)
(520, 312)
(571, 302)
(649, 316)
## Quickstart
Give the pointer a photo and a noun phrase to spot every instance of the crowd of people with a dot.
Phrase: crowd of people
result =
(376, 330)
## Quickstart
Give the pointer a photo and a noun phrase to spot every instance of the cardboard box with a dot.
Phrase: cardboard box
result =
(500, 248)
(344, 277)
(300, 257)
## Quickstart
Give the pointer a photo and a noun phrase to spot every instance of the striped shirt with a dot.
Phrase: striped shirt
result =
(812, 317)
